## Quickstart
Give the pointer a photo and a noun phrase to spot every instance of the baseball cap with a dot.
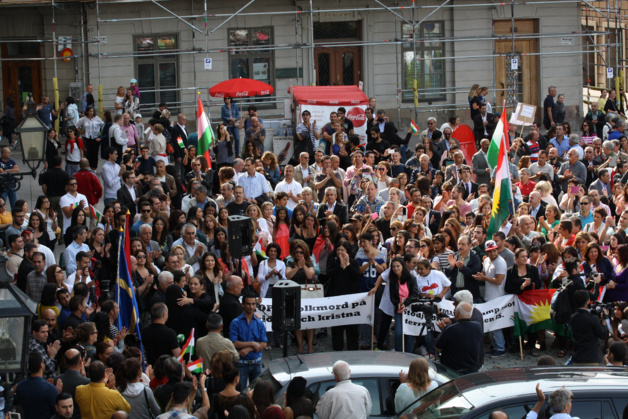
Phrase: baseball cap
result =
(490, 245)
(27, 230)
(133, 81)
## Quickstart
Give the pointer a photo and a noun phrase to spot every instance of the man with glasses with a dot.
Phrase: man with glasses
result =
(197, 174)
(145, 216)
(412, 248)
(226, 195)
(16, 226)
(306, 130)
(429, 132)
(68, 202)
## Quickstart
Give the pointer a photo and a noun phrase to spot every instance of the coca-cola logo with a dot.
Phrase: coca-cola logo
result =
(244, 94)
(333, 102)
(357, 116)
(264, 92)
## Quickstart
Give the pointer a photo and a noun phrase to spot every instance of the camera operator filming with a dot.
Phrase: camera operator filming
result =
(587, 330)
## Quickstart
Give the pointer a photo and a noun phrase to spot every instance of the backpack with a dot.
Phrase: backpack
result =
(560, 310)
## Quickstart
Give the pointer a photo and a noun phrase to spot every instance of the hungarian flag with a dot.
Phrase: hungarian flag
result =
(196, 366)
(502, 195)
(532, 311)
(413, 127)
(96, 215)
(188, 348)
(180, 142)
(205, 137)
(501, 133)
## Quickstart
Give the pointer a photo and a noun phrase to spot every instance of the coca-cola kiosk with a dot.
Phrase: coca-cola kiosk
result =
(322, 100)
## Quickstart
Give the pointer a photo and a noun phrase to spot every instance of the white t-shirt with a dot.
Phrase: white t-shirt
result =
(67, 200)
(434, 283)
(294, 187)
(492, 269)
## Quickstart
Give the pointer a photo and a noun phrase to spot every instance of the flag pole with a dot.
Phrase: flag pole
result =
(521, 348)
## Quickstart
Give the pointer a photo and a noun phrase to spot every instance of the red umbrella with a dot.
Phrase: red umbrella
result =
(241, 87)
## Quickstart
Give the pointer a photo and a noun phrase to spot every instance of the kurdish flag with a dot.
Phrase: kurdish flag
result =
(532, 311)
(196, 366)
(96, 215)
(260, 249)
(502, 195)
(501, 132)
(414, 127)
(205, 136)
(188, 348)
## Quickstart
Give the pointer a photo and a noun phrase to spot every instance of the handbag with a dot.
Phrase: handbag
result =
(314, 290)
(150, 412)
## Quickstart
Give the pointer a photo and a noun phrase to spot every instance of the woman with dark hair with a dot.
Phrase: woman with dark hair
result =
(180, 318)
(73, 152)
(89, 127)
(104, 137)
(223, 218)
(588, 132)
(36, 222)
(250, 151)
(101, 253)
(55, 275)
(200, 301)
(399, 244)
(208, 227)
(296, 404)
(227, 398)
(281, 229)
(195, 213)
(595, 261)
(263, 396)
(230, 115)
(160, 234)
(271, 270)
(307, 231)
(48, 300)
(343, 273)
(297, 220)
(223, 147)
(176, 216)
(616, 240)
(107, 222)
(400, 289)
(212, 275)
(139, 396)
(323, 247)
(617, 286)
(220, 236)
(450, 239)
(426, 251)
(77, 219)
(522, 276)
(301, 270)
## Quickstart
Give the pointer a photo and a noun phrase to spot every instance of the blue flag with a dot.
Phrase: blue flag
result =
(124, 293)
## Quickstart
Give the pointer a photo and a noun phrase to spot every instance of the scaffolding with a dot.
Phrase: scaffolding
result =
(601, 31)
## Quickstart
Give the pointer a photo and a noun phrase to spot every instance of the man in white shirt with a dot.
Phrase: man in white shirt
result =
(345, 400)
(494, 275)
(68, 200)
(117, 136)
(238, 168)
(194, 249)
(302, 172)
(541, 167)
(290, 186)
(111, 176)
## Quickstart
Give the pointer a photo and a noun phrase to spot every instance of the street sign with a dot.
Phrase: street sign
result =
(514, 64)
(208, 63)
(609, 73)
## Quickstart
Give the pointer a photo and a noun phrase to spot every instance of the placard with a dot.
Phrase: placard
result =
(523, 115)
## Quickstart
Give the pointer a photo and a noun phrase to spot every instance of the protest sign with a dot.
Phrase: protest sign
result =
(498, 314)
(326, 312)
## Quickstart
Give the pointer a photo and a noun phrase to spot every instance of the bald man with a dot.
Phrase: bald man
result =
(73, 376)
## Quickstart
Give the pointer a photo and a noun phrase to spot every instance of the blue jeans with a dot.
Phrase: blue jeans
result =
(409, 340)
(12, 195)
(248, 373)
(235, 133)
(498, 341)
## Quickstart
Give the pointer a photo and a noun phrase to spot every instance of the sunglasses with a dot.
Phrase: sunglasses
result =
(423, 246)
(298, 252)
(145, 211)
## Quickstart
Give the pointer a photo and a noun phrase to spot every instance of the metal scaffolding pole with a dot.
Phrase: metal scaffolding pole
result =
(313, 76)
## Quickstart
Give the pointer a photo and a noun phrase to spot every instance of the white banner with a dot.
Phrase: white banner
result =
(325, 312)
(320, 114)
(498, 314)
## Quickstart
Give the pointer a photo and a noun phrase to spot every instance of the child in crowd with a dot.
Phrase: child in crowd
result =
(135, 89)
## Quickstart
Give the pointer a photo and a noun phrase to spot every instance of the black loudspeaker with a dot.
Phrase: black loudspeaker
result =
(286, 306)
(240, 236)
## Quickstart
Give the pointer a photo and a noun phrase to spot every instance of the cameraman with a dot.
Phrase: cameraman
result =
(461, 343)
(587, 329)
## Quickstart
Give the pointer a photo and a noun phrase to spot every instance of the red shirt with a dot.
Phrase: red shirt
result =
(88, 185)
(527, 188)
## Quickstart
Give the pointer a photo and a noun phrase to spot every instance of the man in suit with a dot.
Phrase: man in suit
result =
(179, 130)
(152, 247)
(332, 206)
(304, 174)
(481, 169)
(387, 129)
(129, 194)
(432, 218)
(470, 187)
(602, 183)
(537, 206)
(452, 173)
(483, 125)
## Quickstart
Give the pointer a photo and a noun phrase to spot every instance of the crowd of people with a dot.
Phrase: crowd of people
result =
(398, 224)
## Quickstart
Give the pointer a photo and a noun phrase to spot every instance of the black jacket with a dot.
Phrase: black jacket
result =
(342, 281)
(434, 220)
(230, 308)
(473, 267)
(587, 330)
(340, 210)
(178, 132)
(478, 127)
(514, 281)
(393, 284)
(125, 198)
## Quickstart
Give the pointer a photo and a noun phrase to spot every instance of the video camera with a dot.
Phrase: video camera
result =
(597, 308)
(427, 306)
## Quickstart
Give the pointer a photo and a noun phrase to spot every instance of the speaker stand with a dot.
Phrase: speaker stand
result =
(285, 344)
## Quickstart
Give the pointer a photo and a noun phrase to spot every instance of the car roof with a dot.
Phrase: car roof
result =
(490, 386)
(362, 364)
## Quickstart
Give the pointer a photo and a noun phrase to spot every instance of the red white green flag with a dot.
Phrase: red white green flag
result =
(196, 366)
(414, 127)
(500, 134)
(96, 215)
(188, 347)
(205, 136)
(502, 196)
(260, 249)
(532, 311)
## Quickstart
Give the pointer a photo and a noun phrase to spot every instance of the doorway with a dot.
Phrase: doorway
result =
(338, 65)
(20, 77)
(520, 84)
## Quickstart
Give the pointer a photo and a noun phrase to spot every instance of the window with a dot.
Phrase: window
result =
(249, 56)
(157, 70)
(430, 69)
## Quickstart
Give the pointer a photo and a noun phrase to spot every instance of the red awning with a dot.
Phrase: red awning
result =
(329, 95)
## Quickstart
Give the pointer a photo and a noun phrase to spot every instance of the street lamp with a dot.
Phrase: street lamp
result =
(16, 313)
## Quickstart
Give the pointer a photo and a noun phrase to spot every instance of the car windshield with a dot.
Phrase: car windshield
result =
(264, 376)
(443, 402)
